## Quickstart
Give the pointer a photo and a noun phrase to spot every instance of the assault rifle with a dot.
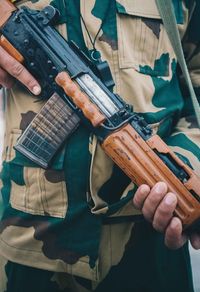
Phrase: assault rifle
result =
(76, 91)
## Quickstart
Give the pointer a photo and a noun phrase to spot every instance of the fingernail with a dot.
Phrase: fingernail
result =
(174, 223)
(161, 187)
(170, 199)
(36, 90)
(144, 190)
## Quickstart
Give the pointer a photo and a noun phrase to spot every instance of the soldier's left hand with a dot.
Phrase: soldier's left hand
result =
(157, 206)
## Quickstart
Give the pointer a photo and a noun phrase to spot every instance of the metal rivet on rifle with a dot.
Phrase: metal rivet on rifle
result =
(26, 42)
(40, 17)
(30, 52)
(54, 69)
(17, 19)
(135, 118)
(45, 22)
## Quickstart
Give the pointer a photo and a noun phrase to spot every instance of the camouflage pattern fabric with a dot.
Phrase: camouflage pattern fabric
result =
(53, 218)
(146, 266)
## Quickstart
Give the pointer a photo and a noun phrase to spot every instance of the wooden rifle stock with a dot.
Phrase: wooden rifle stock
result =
(140, 161)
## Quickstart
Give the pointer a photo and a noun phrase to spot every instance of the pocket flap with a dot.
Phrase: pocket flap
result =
(138, 8)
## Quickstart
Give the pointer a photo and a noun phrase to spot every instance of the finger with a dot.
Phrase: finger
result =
(195, 240)
(174, 238)
(164, 212)
(140, 196)
(18, 71)
(5, 79)
(151, 203)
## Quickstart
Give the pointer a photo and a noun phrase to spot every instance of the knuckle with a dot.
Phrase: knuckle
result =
(17, 69)
(157, 226)
(137, 201)
(148, 215)
(163, 211)
(153, 199)
(160, 223)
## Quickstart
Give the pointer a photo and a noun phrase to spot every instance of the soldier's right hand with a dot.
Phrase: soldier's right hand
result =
(10, 70)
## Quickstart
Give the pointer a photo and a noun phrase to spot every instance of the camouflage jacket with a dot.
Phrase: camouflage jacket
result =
(53, 218)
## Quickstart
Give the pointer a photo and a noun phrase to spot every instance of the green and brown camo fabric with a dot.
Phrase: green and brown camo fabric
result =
(52, 218)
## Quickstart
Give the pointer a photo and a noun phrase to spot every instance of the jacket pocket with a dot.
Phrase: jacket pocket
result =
(33, 189)
(142, 40)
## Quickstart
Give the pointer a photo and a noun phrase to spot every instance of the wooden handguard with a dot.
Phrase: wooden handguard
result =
(4, 43)
(80, 99)
(138, 160)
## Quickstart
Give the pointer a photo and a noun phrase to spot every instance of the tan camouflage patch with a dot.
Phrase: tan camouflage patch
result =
(188, 126)
(141, 43)
(143, 88)
(37, 5)
(93, 24)
(11, 141)
(141, 8)
(3, 277)
(98, 176)
(27, 250)
(39, 195)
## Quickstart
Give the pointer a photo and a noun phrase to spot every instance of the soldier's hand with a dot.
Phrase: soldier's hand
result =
(10, 69)
(157, 206)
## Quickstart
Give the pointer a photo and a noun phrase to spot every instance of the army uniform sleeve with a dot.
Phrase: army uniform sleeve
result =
(185, 139)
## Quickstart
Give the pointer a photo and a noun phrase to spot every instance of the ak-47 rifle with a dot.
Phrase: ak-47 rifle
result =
(74, 91)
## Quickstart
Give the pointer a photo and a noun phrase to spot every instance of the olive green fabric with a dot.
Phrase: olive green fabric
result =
(53, 218)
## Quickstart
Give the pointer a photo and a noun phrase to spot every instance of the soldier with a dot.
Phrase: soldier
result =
(55, 231)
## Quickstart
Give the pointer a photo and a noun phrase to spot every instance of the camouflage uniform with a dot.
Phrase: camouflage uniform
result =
(56, 221)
